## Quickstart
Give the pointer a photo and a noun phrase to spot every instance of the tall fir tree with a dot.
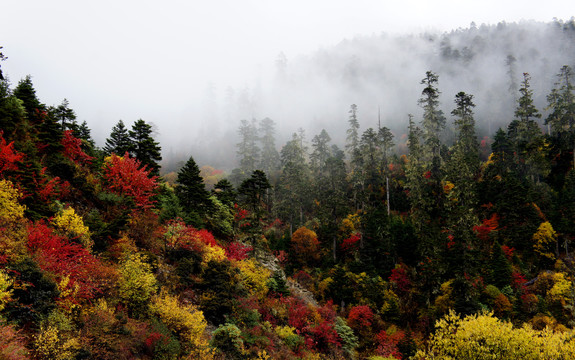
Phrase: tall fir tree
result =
(248, 149)
(144, 147)
(192, 193)
(270, 157)
(119, 141)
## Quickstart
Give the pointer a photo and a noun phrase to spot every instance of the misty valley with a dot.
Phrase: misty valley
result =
(389, 197)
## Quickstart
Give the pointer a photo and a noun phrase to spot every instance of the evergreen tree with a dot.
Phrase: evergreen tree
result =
(293, 190)
(270, 158)
(433, 120)
(65, 115)
(254, 191)
(144, 147)
(352, 143)
(562, 116)
(192, 193)
(25, 91)
(248, 149)
(119, 141)
(320, 152)
(499, 267)
(526, 136)
(224, 191)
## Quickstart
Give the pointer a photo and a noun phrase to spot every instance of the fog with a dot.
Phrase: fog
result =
(381, 74)
(195, 69)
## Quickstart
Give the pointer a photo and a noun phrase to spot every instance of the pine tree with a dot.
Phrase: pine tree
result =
(65, 115)
(191, 191)
(433, 119)
(119, 141)
(248, 149)
(254, 191)
(144, 147)
(353, 132)
(526, 136)
(25, 91)
(320, 153)
(270, 157)
(561, 102)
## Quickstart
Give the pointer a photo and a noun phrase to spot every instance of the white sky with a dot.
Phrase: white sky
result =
(120, 59)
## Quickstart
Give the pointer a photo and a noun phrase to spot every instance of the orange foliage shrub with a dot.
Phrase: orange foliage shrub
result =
(305, 246)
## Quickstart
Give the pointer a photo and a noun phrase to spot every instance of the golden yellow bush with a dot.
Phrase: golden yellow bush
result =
(5, 292)
(210, 253)
(543, 238)
(484, 336)
(185, 320)
(254, 277)
(49, 344)
(10, 208)
(72, 225)
(136, 283)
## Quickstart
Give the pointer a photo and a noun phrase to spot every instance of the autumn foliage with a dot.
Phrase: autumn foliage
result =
(126, 177)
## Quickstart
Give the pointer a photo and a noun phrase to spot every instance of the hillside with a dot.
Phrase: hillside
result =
(445, 241)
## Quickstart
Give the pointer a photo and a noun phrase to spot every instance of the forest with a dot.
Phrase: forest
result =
(434, 244)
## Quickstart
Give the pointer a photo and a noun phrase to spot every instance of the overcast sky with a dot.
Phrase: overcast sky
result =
(153, 60)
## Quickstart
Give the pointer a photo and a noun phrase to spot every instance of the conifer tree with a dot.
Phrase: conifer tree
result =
(320, 153)
(561, 102)
(433, 119)
(144, 147)
(248, 149)
(119, 141)
(270, 157)
(191, 191)
(254, 191)
(526, 136)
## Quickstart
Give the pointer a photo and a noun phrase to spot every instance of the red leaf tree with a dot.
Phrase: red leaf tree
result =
(8, 156)
(125, 177)
(73, 149)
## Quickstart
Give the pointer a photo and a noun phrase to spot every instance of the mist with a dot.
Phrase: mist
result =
(381, 74)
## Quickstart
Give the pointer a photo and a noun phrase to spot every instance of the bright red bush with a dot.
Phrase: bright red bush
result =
(360, 317)
(57, 255)
(125, 177)
(8, 156)
(238, 251)
(322, 337)
(400, 279)
(73, 149)
(387, 344)
(351, 243)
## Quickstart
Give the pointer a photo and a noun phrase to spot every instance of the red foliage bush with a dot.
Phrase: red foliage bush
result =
(360, 317)
(487, 226)
(322, 337)
(57, 255)
(73, 149)
(125, 177)
(299, 314)
(238, 251)
(387, 344)
(351, 243)
(400, 279)
(8, 156)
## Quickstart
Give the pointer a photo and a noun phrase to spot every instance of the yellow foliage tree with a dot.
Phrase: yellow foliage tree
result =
(10, 209)
(486, 337)
(72, 225)
(254, 277)
(136, 283)
(216, 253)
(543, 238)
(5, 292)
(49, 344)
(184, 320)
